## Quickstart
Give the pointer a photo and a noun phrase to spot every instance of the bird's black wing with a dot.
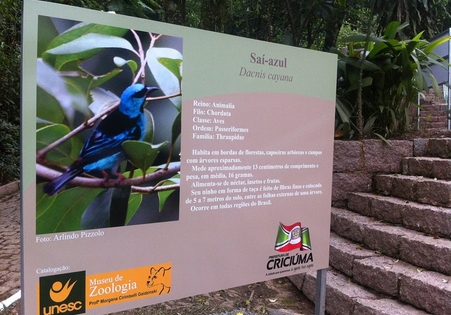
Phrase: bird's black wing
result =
(109, 135)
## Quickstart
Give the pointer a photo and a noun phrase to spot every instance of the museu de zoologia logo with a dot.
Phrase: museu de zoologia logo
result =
(62, 294)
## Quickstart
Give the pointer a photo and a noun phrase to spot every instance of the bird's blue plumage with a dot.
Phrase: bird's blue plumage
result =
(103, 149)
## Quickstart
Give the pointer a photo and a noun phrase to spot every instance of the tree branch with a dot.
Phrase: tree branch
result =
(92, 182)
(151, 189)
(40, 155)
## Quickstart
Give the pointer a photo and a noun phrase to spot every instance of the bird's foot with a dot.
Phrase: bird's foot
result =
(119, 179)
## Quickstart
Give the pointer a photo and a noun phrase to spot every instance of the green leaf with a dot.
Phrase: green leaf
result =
(133, 205)
(343, 111)
(74, 33)
(138, 173)
(91, 41)
(121, 62)
(391, 30)
(47, 32)
(418, 37)
(176, 128)
(173, 65)
(434, 83)
(93, 81)
(119, 205)
(430, 48)
(150, 127)
(164, 195)
(167, 81)
(48, 108)
(65, 153)
(365, 82)
(64, 213)
(361, 38)
(367, 65)
(54, 84)
(378, 50)
(141, 154)
(367, 129)
(97, 214)
(383, 138)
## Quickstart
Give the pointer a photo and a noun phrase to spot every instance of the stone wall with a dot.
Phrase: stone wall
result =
(356, 162)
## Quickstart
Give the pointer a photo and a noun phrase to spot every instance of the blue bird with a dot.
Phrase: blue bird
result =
(103, 149)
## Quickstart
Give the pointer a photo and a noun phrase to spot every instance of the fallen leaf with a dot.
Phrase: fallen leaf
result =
(273, 300)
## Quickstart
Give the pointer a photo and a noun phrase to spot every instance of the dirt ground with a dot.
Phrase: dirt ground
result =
(261, 298)
(277, 296)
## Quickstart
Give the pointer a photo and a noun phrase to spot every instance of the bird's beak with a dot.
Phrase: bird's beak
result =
(151, 89)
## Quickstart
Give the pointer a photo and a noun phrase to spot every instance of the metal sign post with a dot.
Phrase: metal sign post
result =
(320, 300)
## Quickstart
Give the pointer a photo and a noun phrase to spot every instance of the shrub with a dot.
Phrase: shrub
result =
(10, 157)
(394, 73)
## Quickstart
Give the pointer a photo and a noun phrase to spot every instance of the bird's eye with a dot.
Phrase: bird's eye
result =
(141, 93)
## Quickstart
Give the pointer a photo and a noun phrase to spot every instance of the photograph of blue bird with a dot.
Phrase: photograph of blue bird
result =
(103, 149)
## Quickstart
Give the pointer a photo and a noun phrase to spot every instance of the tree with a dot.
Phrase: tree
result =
(388, 78)
(10, 35)
(430, 16)
(10, 97)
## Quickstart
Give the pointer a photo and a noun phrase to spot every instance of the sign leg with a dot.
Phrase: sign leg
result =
(320, 300)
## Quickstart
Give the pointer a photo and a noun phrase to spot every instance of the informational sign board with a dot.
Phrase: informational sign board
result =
(161, 162)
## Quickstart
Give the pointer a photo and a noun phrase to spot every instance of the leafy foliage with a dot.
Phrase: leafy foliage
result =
(80, 75)
(313, 24)
(137, 8)
(10, 157)
(428, 16)
(392, 78)
(10, 33)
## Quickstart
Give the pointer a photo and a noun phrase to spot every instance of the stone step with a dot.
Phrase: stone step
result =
(429, 219)
(343, 297)
(432, 167)
(426, 290)
(434, 124)
(420, 189)
(439, 147)
(433, 113)
(412, 247)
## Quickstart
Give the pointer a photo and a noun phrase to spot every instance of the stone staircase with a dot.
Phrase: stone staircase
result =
(433, 116)
(390, 251)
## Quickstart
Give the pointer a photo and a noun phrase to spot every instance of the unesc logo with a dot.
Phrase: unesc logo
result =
(62, 294)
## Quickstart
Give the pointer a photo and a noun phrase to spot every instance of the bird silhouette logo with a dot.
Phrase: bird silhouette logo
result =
(59, 293)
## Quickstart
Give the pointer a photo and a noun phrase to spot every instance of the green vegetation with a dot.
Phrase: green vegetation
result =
(382, 88)
(391, 79)
(10, 96)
